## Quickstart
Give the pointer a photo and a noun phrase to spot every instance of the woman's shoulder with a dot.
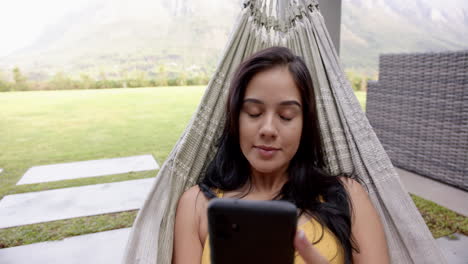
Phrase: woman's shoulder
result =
(358, 195)
(193, 196)
(188, 242)
(193, 201)
(352, 186)
(191, 192)
(367, 228)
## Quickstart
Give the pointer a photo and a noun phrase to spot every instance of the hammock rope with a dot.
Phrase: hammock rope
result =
(349, 141)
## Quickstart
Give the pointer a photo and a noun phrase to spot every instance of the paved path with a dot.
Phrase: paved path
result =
(90, 168)
(450, 197)
(44, 206)
(455, 250)
(100, 248)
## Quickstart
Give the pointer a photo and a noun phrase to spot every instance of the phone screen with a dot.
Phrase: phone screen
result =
(242, 231)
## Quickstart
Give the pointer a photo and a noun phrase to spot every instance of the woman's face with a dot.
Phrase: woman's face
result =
(270, 121)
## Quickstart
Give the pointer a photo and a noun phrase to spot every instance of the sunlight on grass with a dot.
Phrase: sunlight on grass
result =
(50, 127)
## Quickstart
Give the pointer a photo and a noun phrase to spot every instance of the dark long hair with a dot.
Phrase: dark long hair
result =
(309, 186)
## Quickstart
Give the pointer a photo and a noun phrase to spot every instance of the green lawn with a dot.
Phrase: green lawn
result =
(38, 128)
(361, 96)
(61, 126)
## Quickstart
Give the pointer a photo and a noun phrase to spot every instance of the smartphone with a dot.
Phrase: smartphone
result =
(251, 232)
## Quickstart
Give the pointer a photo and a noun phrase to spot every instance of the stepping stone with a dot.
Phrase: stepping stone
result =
(103, 247)
(44, 206)
(455, 250)
(91, 168)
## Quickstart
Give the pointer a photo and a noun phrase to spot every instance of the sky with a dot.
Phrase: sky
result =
(21, 21)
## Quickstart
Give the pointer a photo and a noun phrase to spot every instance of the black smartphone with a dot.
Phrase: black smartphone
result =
(251, 232)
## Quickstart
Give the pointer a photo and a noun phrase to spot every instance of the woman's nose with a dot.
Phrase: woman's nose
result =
(268, 128)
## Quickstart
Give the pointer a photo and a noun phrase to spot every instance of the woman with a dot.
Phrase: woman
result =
(271, 149)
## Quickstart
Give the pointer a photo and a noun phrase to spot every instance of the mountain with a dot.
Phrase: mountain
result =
(370, 28)
(120, 36)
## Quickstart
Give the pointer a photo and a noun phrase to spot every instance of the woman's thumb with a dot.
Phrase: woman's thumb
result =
(307, 251)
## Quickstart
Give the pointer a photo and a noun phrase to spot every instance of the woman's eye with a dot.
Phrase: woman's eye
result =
(286, 118)
(253, 115)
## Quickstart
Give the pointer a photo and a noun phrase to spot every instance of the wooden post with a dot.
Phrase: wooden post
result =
(331, 11)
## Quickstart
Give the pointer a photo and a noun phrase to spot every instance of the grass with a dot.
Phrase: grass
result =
(361, 96)
(440, 220)
(38, 128)
(57, 230)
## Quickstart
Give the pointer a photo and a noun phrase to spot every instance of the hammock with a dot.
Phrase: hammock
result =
(348, 139)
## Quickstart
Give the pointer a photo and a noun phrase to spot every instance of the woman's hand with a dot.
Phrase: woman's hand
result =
(307, 251)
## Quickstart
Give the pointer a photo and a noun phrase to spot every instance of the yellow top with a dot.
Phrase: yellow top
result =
(328, 246)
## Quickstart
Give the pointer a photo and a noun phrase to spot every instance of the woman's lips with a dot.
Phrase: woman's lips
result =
(266, 152)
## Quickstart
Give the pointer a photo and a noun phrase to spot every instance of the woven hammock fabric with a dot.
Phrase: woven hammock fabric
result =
(349, 141)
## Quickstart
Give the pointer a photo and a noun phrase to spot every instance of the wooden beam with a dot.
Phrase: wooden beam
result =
(331, 11)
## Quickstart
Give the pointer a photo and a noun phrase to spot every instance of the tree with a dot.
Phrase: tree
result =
(61, 81)
(86, 81)
(181, 79)
(124, 77)
(4, 84)
(137, 79)
(161, 79)
(20, 80)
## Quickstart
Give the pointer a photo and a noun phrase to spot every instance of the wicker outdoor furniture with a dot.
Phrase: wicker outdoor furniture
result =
(419, 111)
